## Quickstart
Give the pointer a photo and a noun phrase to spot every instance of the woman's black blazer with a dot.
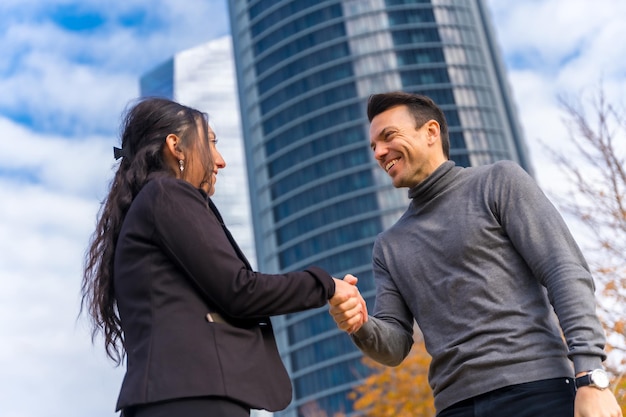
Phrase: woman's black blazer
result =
(175, 262)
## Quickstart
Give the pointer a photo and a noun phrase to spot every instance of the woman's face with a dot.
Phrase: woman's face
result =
(218, 163)
(198, 169)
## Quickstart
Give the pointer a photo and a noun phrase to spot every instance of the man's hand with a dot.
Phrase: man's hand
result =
(592, 402)
(347, 306)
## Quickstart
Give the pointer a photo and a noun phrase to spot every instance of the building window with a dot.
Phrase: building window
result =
(313, 195)
(324, 350)
(333, 140)
(327, 166)
(420, 56)
(411, 16)
(425, 76)
(304, 84)
(415, 36)
(305, 63)
(277, 15)
(327, 215)
(309, 105)
(300, 44)
(344, 372)
(336, 237)
(345, 260)
(315, 124)
(296, 26)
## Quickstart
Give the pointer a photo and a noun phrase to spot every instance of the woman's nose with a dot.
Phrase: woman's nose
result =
(219, 161)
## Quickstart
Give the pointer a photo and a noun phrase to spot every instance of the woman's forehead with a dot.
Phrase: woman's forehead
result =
(211, 128)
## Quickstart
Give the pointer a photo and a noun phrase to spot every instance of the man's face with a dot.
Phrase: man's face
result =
(405, 152)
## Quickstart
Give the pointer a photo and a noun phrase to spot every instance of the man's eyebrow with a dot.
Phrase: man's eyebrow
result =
(385, 130)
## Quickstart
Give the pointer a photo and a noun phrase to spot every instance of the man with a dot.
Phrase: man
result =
(480, 260)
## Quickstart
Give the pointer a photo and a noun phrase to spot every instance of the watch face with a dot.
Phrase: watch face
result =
(599, 378)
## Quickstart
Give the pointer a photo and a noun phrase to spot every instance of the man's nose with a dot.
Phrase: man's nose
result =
(380, 152)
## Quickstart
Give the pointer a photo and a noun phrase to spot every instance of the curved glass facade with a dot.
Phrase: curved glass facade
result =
(305, 69)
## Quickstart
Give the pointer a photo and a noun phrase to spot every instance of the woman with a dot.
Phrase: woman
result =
(169, 288)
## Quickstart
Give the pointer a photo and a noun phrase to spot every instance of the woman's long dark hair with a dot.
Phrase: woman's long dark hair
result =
(143, 133)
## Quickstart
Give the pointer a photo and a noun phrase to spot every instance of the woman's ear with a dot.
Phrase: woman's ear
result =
(172, 150)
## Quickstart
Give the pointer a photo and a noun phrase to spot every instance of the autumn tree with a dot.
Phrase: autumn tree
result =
(619, 388)
(593, 163)
(401, 391)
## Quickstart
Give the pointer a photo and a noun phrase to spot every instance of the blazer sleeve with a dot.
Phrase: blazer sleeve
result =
(192, 236)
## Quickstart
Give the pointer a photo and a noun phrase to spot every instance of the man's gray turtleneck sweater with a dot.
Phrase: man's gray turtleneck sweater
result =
(480, 259)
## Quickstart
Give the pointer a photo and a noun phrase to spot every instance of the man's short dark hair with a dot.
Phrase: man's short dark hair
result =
(422, 108)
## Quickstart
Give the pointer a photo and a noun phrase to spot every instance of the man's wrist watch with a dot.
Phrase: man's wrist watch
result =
(597, 378)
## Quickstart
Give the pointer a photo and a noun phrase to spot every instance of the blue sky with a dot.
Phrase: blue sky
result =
(67, 71)
(69, 67)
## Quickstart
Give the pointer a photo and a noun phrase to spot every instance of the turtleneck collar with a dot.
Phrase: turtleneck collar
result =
(433, 184)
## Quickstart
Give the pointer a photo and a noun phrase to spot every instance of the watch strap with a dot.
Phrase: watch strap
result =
(583, 380)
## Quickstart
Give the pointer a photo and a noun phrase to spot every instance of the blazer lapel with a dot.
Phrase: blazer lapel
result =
(228, 235)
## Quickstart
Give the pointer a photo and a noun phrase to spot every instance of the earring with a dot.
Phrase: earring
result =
(181, 165)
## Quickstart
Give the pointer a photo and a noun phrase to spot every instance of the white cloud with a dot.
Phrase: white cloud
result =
(44, 349)
(558, 48)
(45, 222)
(58, 164)
(549, 32)
(76, 82)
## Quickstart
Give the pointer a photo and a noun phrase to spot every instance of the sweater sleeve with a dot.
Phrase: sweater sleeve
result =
(541, 236)
(386, 337)
(192, 236)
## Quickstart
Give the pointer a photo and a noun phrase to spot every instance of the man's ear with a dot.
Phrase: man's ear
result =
(434, 131)
(172, 147)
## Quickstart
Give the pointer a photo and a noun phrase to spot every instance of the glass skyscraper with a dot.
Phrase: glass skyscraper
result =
(305, 69)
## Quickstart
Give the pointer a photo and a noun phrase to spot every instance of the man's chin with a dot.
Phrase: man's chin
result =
(398, 183)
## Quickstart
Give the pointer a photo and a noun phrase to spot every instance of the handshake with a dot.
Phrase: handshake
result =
(347, 306)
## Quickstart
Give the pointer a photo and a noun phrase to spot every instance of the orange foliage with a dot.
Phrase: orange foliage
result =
(620, 392)
(402, 391)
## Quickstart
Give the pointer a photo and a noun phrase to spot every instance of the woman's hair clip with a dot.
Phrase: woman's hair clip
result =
(119, 153)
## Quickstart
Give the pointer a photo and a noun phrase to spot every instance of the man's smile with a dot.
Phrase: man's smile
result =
(391, 164)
